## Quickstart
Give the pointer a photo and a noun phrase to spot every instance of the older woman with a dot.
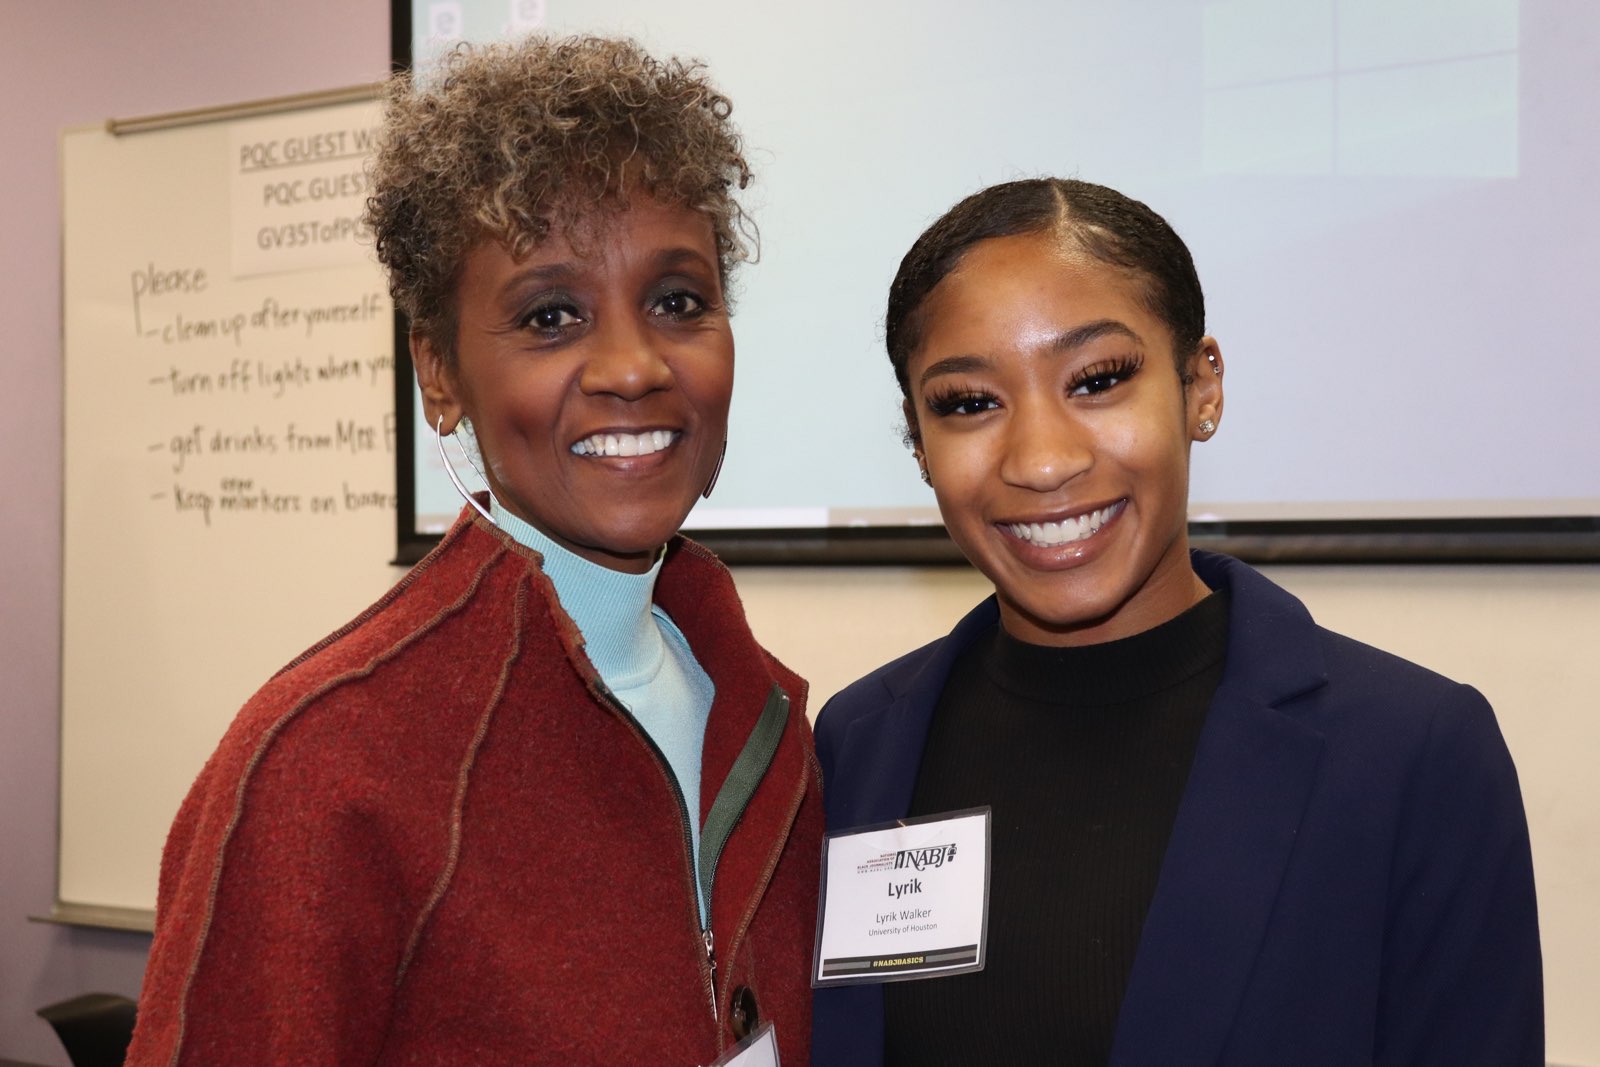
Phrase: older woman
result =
(547, 801)
(1220, 833)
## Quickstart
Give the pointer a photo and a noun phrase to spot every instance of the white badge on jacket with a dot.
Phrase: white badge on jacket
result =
(760, 1049)
(908, 899)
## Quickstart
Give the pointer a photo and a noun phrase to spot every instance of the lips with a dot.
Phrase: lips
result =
(1065, 531)
(626, 444)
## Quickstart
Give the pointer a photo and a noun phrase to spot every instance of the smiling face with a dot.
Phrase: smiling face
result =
(1055, 430)
(596, 378)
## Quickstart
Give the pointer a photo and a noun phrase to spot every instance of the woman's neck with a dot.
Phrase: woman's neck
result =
(612, 609)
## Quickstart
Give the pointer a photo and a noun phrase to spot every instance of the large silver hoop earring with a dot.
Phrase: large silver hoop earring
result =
(439, 435)
(716, 472)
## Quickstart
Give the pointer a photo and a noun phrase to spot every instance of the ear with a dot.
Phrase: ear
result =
(440, 391)
(913, 437)
(1204, 400)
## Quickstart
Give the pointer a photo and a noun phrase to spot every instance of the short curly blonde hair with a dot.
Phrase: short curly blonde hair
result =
(513, 142)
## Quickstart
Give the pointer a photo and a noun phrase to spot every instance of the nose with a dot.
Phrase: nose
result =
(1045, 448)
(625, 360)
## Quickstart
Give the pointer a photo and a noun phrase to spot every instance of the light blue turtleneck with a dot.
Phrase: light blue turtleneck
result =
(639, 653)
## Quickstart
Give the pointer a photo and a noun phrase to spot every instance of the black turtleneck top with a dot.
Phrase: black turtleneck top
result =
(1082, 753)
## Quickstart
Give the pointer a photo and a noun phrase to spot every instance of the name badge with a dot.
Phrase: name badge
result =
(760, 1049)
(908, 899)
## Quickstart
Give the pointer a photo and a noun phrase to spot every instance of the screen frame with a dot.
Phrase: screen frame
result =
(1529, 539)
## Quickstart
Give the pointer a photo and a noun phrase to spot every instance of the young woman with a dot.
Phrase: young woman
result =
(547, 802)
(1220, 833)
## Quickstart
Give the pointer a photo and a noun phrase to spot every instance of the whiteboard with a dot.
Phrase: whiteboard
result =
(229, 454)
(1389, 203)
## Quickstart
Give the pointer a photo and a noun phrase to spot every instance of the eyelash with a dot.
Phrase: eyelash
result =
(950, 400)
(562, 306)
(1094, 380)
(1105, 375)
(701, 305)
(530, 321)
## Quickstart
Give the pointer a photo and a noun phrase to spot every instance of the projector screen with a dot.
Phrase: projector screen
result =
(1390, 204)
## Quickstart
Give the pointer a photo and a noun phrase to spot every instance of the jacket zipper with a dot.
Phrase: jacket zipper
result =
(706, 938)
(711, 965)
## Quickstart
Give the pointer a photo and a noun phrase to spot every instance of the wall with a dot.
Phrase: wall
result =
(1526, 636)
(67, 63)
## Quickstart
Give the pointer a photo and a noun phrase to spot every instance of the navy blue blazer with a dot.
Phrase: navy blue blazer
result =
(1348, 880)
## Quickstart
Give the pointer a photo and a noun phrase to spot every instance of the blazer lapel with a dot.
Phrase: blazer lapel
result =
(1253, 774)
(882, 749)
(872, 783)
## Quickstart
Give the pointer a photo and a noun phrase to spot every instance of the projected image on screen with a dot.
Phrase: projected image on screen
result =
(1388, 201)
(1361, 87)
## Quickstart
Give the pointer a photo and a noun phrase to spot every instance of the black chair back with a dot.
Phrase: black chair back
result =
(95, 1028)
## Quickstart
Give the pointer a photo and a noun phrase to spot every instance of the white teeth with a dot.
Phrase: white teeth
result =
(625, 444)
(1076, 528)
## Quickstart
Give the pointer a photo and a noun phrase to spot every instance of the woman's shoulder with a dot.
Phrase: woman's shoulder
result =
(696, 590)
(883, 684)
(1270, 625)
(1367, 668)
(877, 687)
(439, 624)
(1361, 698)
(1405, 730)
(917, 676)
(1366, 703)
(1393, 709)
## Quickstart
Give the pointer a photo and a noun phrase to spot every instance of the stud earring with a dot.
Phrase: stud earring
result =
(925, 479)
(1211, 358)
(1207, 428)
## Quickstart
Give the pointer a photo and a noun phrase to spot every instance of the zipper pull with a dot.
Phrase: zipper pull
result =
(711, 960)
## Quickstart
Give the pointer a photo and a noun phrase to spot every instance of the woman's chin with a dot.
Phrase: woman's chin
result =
(631, 546)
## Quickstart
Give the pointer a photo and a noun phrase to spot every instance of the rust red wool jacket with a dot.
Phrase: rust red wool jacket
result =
(435, 839)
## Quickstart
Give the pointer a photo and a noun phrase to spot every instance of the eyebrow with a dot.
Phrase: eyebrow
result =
(566, 271)
(952, 365)
(1073, 339)
(1079, 336)
(546, 274)
(673, 257)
